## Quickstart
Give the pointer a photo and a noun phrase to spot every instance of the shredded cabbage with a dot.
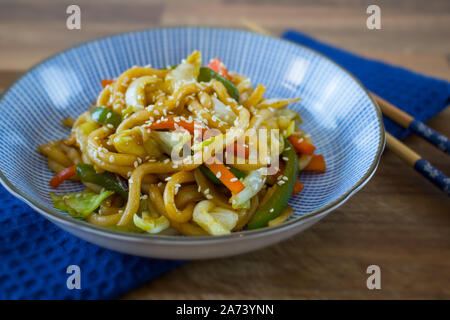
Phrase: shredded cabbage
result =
(215, 220)
(171, 141)
(136, 141)
(253, 183)
(186, 71)
(151, 225)
(79, 204)
(286, 116)
(150, 220)
(276, 103)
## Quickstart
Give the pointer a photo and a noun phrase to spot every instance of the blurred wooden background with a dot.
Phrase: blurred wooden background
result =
(399, 221)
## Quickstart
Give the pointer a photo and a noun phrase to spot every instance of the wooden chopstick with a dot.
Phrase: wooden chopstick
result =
(407, 121)
(406, 154)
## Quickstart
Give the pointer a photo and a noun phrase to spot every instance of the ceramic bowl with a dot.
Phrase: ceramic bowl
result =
(344, 122)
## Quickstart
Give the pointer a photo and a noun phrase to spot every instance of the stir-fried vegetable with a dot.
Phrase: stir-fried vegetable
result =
(218, 66)
(107, 180)
(275, 205)
(150, 224)
(170, 67)
(225, 176)
(172, 123)
(301, 146)
(79, 204)
(206, 75)
(171, 141)
(200, 145)
(317, 164)
(241, 151)
(62, 176)
(286, 116)
(298, 187)
(186, 71)
(304, 160)
(253, 183)
(136, 141)
(287, 212)
(106, 82)
(107, 117)
(223, 112)
(276, 103)
(179, 111)
(215, 220)
(238, 173)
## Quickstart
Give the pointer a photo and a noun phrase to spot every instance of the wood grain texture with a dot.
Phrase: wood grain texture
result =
(399, 221)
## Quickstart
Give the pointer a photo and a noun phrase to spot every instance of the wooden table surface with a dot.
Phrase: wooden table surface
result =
(399, 221)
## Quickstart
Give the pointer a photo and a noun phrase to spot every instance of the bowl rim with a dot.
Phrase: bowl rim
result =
(167, 239)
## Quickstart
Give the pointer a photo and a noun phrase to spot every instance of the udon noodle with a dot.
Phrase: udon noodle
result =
(184, 149)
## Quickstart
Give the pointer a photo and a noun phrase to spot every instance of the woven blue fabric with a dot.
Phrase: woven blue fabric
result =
(35, 254)
(419, 95)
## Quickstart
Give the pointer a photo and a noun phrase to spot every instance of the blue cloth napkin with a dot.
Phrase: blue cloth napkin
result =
(35, 254)
(419, 95)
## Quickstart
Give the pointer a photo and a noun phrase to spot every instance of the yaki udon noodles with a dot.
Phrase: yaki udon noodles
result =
(186, 150)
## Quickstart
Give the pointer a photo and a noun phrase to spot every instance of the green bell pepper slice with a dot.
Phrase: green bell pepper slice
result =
(273, 207)
(107, 180)
(206, 75)
(106, 116)
(238, 173)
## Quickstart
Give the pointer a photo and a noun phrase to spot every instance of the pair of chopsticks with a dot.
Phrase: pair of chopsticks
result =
(407, 121)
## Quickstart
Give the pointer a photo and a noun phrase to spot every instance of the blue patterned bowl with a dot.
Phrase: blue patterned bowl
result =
(343, 120)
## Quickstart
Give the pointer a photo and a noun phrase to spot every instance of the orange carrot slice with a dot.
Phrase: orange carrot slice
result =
(172, 122)
(62, 176)
(302, 146)
(105, 82)
(225, 176)
(218, 66)
(298, 186)
(317, 164)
